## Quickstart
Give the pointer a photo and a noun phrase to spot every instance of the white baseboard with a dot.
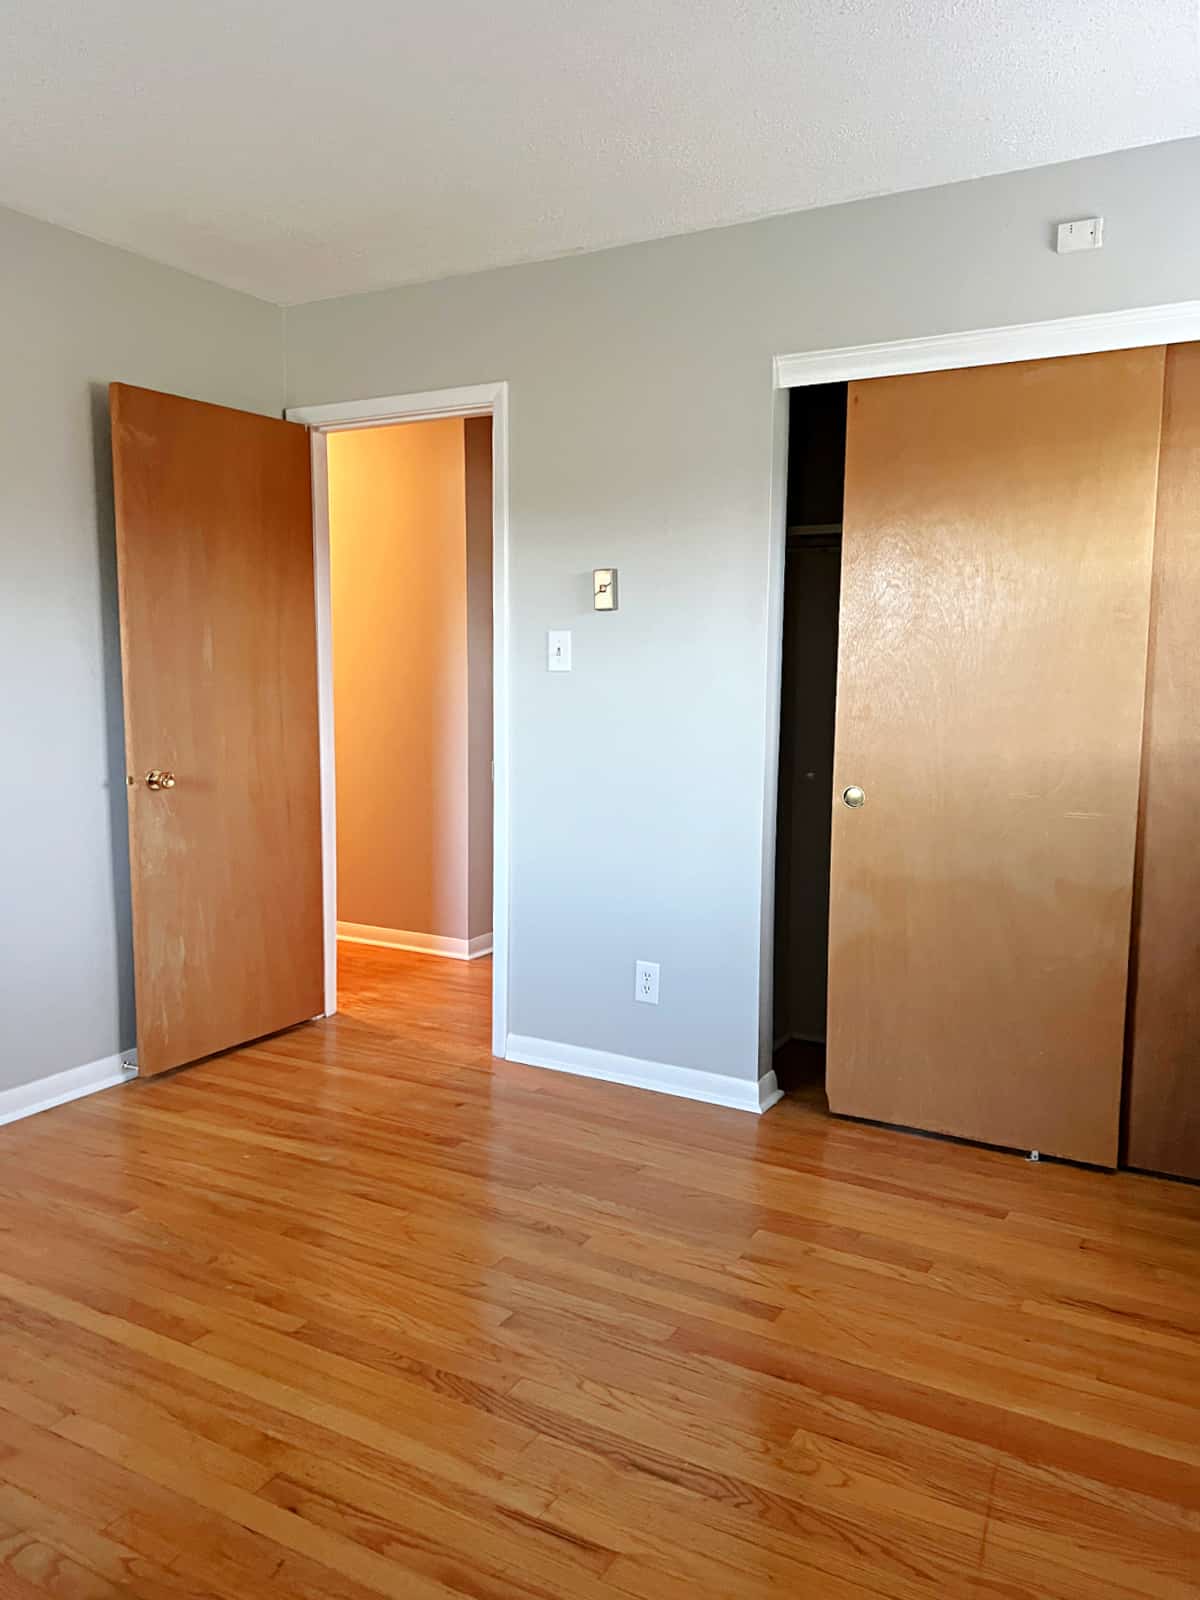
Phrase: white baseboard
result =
(425, 944)
(742, 1094)
(59, 1087)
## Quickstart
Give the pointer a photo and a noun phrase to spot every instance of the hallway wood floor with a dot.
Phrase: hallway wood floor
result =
(359, 1312)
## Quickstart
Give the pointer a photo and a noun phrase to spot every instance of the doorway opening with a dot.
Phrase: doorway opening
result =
(410, 568)
(465, 406)
(812, 578)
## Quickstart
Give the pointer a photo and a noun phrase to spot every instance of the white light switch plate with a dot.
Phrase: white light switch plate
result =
(558, 650)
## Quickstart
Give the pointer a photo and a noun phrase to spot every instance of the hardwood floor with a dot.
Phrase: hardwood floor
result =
(359, 1312)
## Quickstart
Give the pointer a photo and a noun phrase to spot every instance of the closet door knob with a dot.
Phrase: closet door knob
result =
(854, 797)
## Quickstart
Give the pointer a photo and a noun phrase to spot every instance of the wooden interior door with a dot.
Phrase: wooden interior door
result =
(1164, 1066)
(996, 561)
(218, 647)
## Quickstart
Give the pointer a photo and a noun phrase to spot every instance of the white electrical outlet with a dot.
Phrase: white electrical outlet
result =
(645, 982)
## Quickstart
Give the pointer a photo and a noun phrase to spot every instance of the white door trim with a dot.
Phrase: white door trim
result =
(987, 347)
(1176, 323)
(478, 400)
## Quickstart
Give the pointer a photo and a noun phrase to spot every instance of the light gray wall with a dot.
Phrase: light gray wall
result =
(73, 316)
(641, 413)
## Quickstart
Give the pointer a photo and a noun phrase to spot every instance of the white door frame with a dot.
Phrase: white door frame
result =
(478, 400)
(1177, 323)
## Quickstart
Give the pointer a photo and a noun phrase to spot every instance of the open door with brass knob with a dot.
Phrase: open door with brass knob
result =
(215, 571)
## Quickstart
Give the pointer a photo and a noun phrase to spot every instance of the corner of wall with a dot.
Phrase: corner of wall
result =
(283, 359)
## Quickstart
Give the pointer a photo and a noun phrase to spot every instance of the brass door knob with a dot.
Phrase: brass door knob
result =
(160, 780)
(854, 797)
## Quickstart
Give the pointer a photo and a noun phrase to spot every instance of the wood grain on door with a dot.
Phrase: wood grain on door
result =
(995, 600)
(215, 568)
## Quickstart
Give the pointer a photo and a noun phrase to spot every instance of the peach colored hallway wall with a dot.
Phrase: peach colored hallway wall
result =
(478, 442)
(402, 692)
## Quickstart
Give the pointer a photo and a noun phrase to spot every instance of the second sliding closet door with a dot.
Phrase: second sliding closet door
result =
(996, 562)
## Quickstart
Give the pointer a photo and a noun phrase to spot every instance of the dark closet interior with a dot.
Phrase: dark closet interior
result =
(816, 466)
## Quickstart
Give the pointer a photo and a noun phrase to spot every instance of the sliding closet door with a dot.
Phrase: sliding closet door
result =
(995, 600)
(1164, 1081)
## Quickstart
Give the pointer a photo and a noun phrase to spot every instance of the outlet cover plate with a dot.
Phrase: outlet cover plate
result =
(645, 982)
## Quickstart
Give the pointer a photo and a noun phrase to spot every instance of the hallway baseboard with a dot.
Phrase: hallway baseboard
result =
(714, 1088)
(425, 944)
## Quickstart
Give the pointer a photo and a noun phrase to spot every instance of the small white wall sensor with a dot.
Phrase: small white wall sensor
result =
(1087, 234)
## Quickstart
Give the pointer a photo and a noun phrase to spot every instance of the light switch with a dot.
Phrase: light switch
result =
(558, 650)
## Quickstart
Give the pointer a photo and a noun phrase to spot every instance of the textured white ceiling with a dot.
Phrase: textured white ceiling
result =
(304, 148)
